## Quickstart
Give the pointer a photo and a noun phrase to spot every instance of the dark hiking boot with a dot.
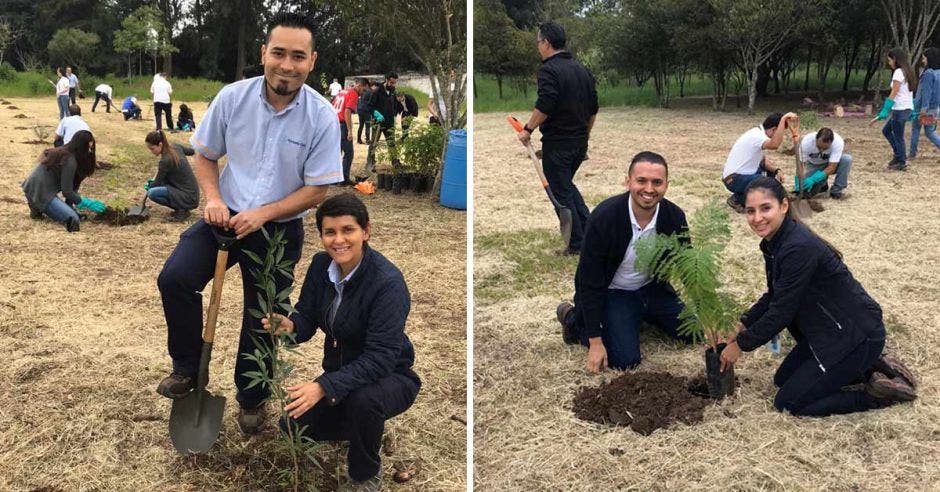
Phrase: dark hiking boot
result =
(896, 165)
(373, 484)
(568, 252)
(896, 389)
(891, 367)
(178, 216)
(35, 214)
(72, 225)
(251, 420)
(820, 187)
(837, 195)
(176, 386)
(735, 205)
(563, 315)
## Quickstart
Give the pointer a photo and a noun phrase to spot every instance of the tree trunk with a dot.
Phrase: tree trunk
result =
(499, 86)
(809, 61)
(752, 90)
(240, 53)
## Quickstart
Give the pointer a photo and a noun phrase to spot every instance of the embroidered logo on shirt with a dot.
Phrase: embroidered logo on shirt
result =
(296, 142)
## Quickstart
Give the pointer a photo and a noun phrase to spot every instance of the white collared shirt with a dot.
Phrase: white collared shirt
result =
(334, 272)
(627, 278)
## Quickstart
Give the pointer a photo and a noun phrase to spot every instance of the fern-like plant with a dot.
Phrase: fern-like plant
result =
(691, 262)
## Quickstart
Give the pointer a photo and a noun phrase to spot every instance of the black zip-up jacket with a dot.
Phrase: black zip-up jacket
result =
(384, 100)
(606, 238)
(362, 106)
(810, 291)
(410, 108)
(567, 94)
(367, 340)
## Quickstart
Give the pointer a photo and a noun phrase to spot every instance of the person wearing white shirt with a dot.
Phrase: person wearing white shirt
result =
(823, 154)
(335, 87)
(103, 91)
(161, 90)
(61, 93)
(746, 161)
(70, 125)
(898, 106)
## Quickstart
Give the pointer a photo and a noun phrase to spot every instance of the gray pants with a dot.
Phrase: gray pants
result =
(842, 172)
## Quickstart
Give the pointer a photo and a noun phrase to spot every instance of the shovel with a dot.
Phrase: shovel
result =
(195, 420)
(564, 213)
(140, 210)
(801, 208)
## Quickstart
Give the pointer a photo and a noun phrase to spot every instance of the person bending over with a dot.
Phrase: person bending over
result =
(746, 161)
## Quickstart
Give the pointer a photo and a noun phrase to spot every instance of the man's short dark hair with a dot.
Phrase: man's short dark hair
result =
(772, 120)
(362, 80)
(825, 135)
(293, 20)
(340, 205)
(647, 156)
(75, 110)
(391, 75)
(554, 34)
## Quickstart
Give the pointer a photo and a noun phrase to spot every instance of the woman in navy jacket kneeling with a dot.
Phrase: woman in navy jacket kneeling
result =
(837, 326)
(360, 301)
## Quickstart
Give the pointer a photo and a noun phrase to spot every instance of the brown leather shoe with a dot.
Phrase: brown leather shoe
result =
(176, 386)
(251, 421)
(892, 367)
(883, 387)
(562, 313)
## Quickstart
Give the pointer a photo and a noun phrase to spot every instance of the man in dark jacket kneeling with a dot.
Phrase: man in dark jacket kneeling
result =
(360, 301)
(611, 297)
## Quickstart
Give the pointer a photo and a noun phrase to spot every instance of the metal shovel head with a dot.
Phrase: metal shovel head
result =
(564, 224)
(139, 211)
(802, 208)
(195, 421)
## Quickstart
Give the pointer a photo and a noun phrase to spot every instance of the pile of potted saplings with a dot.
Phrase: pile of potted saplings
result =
(420, 154)
(691, 263)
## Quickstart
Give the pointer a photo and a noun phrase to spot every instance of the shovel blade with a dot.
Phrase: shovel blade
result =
(195, 421)
(138, 211)
(564, 224)
(802, 209)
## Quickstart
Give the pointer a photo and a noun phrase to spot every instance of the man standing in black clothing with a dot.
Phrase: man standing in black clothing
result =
(365, 116)
(564, 113)
(382, 106)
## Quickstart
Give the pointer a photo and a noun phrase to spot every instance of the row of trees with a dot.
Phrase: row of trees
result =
(221, 39)
(739, 45)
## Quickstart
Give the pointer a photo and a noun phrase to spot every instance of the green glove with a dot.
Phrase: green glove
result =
(148, 185)
(91, 204)
(915, 111)
(889, 103)
(378, 116)
(808, 182)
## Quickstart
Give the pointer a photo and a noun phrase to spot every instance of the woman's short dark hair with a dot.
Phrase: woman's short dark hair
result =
(340, 205)
(554, 34)
(292, 20)
(933, 58)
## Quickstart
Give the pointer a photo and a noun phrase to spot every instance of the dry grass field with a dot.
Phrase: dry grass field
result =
(526, 436)
(84, 337)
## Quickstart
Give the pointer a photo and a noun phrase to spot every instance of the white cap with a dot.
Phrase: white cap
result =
(134, 100)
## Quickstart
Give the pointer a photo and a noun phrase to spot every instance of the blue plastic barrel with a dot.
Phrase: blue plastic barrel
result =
(454, 180)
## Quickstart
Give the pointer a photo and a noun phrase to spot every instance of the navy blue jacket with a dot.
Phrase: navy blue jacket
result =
(810, 291)
(606, 238)
(367, 340)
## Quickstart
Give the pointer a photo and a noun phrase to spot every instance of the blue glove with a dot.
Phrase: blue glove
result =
(889, 103)
(148, 185)
(378, 116)
(808, 182)
(91, 204)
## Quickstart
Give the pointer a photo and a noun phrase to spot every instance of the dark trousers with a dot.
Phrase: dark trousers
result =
(166, 109)
(560, 162)
(625, 309)
(360, 419)
(347, 147)
(72, 94)
(389, 132)
(365, 121)
(737, 183)
(132, 113)
(185, 274)
(99, 96)
(805, 389)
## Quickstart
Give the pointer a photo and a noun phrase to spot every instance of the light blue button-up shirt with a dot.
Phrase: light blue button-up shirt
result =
(334, 273)
(271, 154)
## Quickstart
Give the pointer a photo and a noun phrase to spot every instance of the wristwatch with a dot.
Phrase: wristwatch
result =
(526, 128)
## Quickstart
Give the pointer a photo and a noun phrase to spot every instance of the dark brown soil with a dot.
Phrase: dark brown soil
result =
(13, 107)
(35, 142)
(20, 116)
(20, 128)
(643, 401)
(104, 165)
(117, 217)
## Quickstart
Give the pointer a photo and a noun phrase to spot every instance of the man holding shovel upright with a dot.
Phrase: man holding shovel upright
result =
(282, 141)
(564, 113)
(746, 161)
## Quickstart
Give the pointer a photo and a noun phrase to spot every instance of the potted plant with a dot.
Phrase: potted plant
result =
(422, 153)
(691, 263)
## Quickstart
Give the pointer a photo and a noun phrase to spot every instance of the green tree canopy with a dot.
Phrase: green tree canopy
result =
(72, 46)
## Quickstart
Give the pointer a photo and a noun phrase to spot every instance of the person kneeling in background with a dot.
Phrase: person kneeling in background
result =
(175, 184)
(185, 120)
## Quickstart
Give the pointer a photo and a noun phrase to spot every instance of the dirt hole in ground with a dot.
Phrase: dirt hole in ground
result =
(14, 107)
(35, 142)
(117, 217)
(104, 165)
(644, 401)
(20, 116)
(20, 128)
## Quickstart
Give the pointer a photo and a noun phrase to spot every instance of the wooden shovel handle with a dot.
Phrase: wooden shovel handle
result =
(208, 335)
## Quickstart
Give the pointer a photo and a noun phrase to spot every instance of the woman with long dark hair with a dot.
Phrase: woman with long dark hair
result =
(62, 169)
(837, 326)
(928, 101)
(898, 106)
(174, 186)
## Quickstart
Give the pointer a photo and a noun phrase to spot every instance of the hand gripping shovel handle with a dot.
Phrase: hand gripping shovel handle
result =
(517, 126)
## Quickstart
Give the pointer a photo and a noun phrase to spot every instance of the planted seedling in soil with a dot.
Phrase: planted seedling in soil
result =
(271, 348)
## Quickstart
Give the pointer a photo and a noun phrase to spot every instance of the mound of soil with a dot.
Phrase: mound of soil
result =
(815, 205)
(13, 107)
(20, 128)
(21, 115)
(35, 142)
(104, 165)
(117, 217)
(643, 401)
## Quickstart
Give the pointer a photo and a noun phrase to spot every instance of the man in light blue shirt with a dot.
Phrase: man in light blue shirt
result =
(282, 140)
(69, 125)
(73, 83)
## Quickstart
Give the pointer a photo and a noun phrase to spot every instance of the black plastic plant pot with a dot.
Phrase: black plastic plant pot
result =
(417, 181)
(383, 181)
(720, 384)
(398, 182)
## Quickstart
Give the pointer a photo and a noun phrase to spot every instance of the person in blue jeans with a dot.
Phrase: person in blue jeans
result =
(837, 326)
(62, 170)
(898, 106)
(174, 185)
(928, 102)
(823, 154)
(746, 161)
(611, 296)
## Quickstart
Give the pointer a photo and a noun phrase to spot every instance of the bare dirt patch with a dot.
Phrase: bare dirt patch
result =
(118, 217)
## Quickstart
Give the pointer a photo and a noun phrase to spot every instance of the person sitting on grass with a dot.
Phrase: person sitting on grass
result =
(63, 169)
(175, 184)
(837, 326)
(746, 161)
(823, 155)
(611, 297)
(69, 125)
(185, 121)
(359, 299)
(130, 108)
